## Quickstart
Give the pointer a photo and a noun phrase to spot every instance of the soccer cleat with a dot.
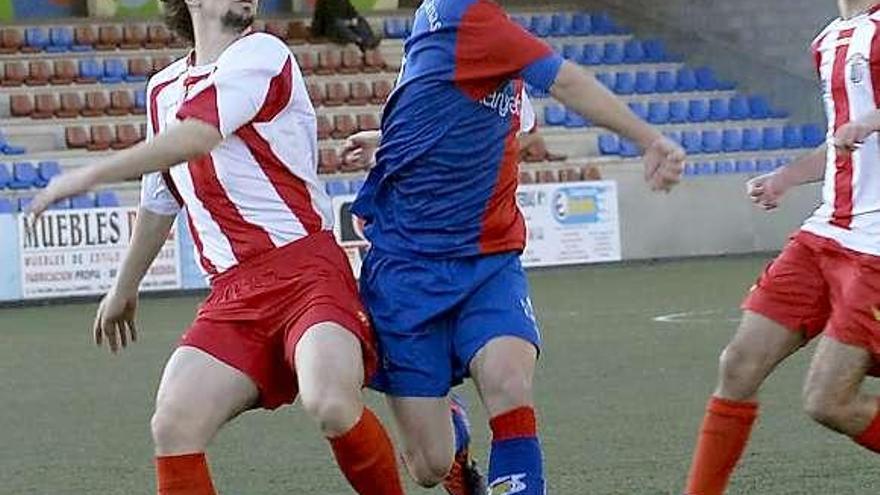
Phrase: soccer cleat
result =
(464, 478)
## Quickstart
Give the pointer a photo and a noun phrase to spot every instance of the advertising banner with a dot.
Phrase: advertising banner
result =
(10, 285)
(78, 252)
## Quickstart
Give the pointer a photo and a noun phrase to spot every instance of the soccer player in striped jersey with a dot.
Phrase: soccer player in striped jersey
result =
(232, 141)
(826, 280)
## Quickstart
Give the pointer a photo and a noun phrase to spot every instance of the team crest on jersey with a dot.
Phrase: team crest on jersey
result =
(858, 68)
(508, 485)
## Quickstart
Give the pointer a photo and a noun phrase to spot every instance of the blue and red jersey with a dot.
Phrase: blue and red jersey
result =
(445, 179)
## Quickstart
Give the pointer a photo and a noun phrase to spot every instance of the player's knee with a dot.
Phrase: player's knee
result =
(334, 411)
(428, 469)
(507, 390)
(176, 430)
(740, 371)
(825, 407)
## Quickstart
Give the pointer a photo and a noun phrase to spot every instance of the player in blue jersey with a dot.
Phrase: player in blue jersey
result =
(443, 280)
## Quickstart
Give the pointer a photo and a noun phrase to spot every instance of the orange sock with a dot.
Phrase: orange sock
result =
(183, 475)
(366, 457)
(723, 437)
(870, 438)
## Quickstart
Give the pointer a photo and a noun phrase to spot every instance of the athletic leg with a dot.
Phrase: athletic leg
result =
(426, 431)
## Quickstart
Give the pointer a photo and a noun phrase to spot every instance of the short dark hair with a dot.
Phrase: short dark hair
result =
(178, 19)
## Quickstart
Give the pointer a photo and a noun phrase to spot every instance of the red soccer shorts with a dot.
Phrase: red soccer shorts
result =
(257, 312)
(816, 284)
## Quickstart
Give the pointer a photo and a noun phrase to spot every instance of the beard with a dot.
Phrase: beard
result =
(237, 22)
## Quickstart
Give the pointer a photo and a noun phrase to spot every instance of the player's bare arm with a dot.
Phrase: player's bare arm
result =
(767, 190)
(115, 318)
(360, 149)
(580, 91)
(188, 140)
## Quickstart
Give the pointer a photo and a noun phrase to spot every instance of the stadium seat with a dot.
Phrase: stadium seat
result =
(351, 62)
(540, 25)
(764, 165)
(344, 125)
(70, 107)
(280, 30)
(570, 175)
(739, 108)
(645, 83)
(316, 93)
(791, 137)
(329, 62)
(46, 170)
(9, 148)
(712, 141)
(39, 73)
(655, 51)
(138, 69)
(338, 187)
(5, 176)
(374, 61)
(76, 137)
(813, 135)
(60, 39)
(705, 168)
(84, 38)
(65, 71)
(14, 73)
(109, 37)
(545, 177)
(678, 113)
(127, 135)
(571, 52)
(591, 54)
(45, 106)
(752, 139)
(725, 167)
(6, 206)
(731, 140)
(160, 62)
(685, 80)
(554, 115)
(96, 104)
(574, 120)
(355, 185)
(298, 33)
(624, 83)
(771, 138)
(367, 122)
(36, 39)
(783, 161)
(526, 177)
(24, 202)
(603, 24)
(11, 40)
(134, 36)
(745, 167)
(639, 109)
(706, 79)
(633, 52)
(82, 201)
(606, 79)
(101, 138)
(698, 111)
(121, 102)
(759, 107)
(580, 24)
(324, 126)
(612, 54)
(328, 161)
(718, 110)
(337, 94)
(692, 142)
(629, 149)
(658, 112)
(560, 25)
(157, 37)
(306, 62)
(24, 176)
(114, 71)
(21, 105)
(665, 82)
(395, 28)
(106, 199)
(89, 71)
(609, 144)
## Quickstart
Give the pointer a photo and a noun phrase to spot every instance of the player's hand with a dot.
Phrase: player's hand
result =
(664, 164)
(766, 190)
(60, 187)
(359, 151)
(851, 136)
(114, 320)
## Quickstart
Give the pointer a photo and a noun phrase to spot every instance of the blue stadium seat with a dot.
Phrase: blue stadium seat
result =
(698, 111)
(571, 52)
(678, 113)
(554, 115)
(581, 24)
(783, 161)
(705, 168)
(63, 204)
(655, 50)
(725, 167)
(540, 25)
(771, 138)
(606, 78)
(338, 187)
(711, 141)
(24, 176)
(591, 55)
(82, 201)
(574, 120)
(24, 202)
(674, 136)
(739, 108)
(140, 99)
(658, 112)
(521, 20)
(560, 25)
(752, 139)
(609, 145)
(685, 80)
(665, 82)
(639, 109)
(731, 140)
(36, 37)
(629, 149)
(395, 28)
(90, 68)
(106, 199)
(745, 167)
(5, 176)
(779, 113)
(813, 135)
(791, 137)
(764, 165)
(6, 206)
(633, 52)
(46, 170)
(690, 169)
(601, 23)
(624, 83)
(692, 142)
(706, 80)
(759, 107)
(718, 110)
(114, 71)
(60, 39)
(645, 83)
(612, 54)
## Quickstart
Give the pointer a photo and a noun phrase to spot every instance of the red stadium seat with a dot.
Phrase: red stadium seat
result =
(328, 161)
(316, 93)
(352, 62)
(591, 172)
(381, 90)
(570, 175)
(374, 61)
(126, 136)
(298, 33)
(96, 104)
(71, 105)
(545, 177)
(45, 106)
(14, 74)
(21, 105)
(109, 38)
(343, 126)
(337, 94)
(325, 128)
(306, 62)
(160, 62)
(329, 61)
(39, 73)
(76, 137)
(102, 138)
(134, 36)
(367, 122)
(11, 40)
(157, 36)
(139, 67)
(525, 177)
(121, 102)
(85, 35)
(65, 71)
(279, 29)
(360, 93)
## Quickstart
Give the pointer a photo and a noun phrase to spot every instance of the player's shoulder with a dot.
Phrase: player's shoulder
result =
(832, 26)
(171, 72)
(254, 48)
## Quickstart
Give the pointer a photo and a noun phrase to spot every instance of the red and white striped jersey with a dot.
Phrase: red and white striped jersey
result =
(259, 188)
(847, 55)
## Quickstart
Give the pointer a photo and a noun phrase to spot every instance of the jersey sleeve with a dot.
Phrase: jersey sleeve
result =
(252, 82)
(155, 195)
(491, 48)
(528, 122)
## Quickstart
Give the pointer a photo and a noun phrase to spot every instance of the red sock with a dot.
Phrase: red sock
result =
(366, 457)
(183, 475)
(723, 437)
(870, 438)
